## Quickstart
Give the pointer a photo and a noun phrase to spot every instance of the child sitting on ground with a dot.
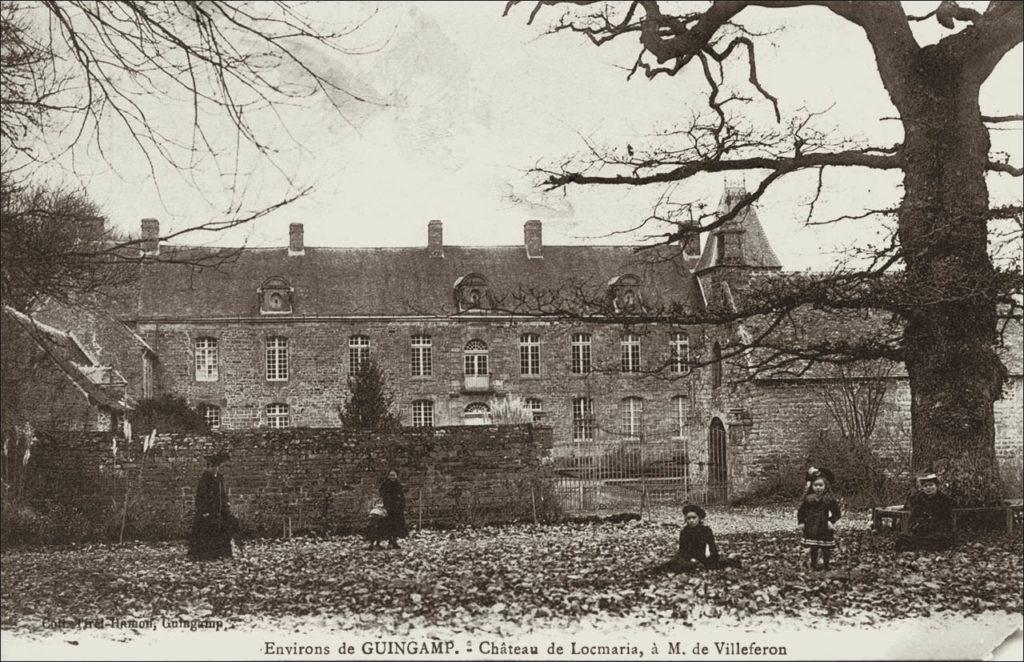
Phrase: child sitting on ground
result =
(376, 531)
(697, 548)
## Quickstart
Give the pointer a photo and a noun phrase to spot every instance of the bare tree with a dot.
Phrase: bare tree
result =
(936, 279)
(80, 75)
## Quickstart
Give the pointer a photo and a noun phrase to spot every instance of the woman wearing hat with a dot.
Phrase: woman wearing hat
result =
(392, 494)
(697, 547)
(931, 518)
(213, 525)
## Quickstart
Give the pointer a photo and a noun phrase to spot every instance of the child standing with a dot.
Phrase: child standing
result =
(818, 514)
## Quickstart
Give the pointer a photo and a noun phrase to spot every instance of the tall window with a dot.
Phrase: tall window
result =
(475, 357)
(423, 414)
(529, 354)
(581, 353)
(421, 365)
(211, 414)
(277, 359)
(679, 353)
(277, 416)
(535, 406)
(716, 365)
(206, 360)
(632, 422)
(720, 246)
(358, 353)
(631, 353)
(680, 409)
(582, 419)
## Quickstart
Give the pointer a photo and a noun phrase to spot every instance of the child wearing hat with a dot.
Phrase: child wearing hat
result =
(818, 514)
(697, 547)
(931, 518)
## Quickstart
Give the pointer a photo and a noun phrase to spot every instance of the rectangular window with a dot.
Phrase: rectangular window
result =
(632, 418)
(679, 410)
(679, 348)
(535, 406)
(147, 375)
(631, 353)
(277, 359)
(206, 360)
(421, 362)
(211, 414)
(476, 364)
(582, 419)
(277, 416)
(423, 414)
(581, 353)
(358, 353)
(529, 354)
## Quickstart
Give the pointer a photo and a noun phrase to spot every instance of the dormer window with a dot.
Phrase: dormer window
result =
(624, 292)
(275, 297)
(471, 293)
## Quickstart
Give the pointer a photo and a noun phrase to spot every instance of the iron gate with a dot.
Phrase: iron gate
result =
(718, 469)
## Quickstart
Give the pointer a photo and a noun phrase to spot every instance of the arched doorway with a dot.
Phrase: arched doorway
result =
(718, 470)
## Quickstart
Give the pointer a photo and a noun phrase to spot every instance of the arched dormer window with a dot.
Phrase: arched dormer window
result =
(275, 297)
(471, 292)
(624, 293)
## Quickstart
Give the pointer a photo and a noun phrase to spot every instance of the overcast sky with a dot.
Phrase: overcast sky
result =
(469, 101)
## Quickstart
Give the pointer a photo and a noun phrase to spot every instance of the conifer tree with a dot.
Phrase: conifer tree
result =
(370, 405)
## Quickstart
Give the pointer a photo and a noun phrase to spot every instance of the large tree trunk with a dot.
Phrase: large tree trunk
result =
(955, 373)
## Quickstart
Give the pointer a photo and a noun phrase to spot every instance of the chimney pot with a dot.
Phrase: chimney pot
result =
(296, 245)
(532, 237)
(150, 236)
(435, 238)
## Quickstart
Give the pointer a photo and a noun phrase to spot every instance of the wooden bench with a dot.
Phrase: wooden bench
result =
(899, 518)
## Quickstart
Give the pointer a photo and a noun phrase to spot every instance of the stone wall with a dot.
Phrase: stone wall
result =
(783, 419)
(306, 479)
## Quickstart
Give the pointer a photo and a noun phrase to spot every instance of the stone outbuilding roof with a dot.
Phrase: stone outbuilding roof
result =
(102, 385)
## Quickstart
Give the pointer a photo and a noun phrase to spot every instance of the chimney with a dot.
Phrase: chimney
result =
(91, 228)
(532, 237)
(435, 241)
(150, 236)
(295, 242)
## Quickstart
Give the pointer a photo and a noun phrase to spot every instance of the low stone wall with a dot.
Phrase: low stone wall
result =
(293, 480)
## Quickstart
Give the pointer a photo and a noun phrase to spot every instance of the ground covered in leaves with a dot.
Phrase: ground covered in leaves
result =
(518, 574)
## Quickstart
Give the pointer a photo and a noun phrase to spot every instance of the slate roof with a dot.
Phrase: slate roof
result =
(755, 249)
(398, 281)
(102, 385)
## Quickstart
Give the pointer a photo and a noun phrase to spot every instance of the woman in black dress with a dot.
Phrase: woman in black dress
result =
(393, 495)
(213, 525)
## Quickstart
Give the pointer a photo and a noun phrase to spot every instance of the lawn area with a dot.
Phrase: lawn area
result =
(523, 576)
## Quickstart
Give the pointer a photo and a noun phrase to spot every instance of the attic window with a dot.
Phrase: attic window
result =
(275, 297)
(471, 292)
(624, 293)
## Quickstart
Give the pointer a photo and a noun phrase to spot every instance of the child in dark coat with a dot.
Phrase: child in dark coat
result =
(818, 514)
(697, 548)
(931, 518)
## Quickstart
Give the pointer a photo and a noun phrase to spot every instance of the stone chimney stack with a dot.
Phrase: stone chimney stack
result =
(150, 236)
(296, 246)
(435, 238)
(532, 237)
(92, 228)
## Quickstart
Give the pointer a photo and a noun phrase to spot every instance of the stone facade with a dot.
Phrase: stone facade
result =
(206, 334)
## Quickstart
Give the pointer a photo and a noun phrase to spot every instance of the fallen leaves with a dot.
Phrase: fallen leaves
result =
(463, 578)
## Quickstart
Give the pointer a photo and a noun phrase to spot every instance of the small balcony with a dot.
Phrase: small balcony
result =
(476, 384)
